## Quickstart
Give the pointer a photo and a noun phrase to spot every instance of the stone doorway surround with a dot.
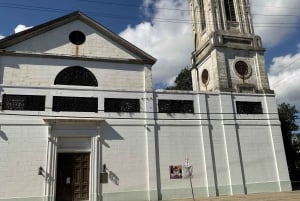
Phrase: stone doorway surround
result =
(61, 133)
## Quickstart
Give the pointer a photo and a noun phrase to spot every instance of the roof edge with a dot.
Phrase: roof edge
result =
(52, 24)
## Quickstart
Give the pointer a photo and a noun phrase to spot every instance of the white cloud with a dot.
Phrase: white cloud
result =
(21, 27)
(169, 42)
(274, 19)
(284, 76)
(1, 36)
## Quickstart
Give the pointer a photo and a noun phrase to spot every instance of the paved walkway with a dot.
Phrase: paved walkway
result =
(283, 196)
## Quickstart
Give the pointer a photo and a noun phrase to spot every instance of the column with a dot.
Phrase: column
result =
(94, 169)
(50, 172)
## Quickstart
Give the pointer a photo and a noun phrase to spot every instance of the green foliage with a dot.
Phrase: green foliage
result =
(287, 116)
(183, 80)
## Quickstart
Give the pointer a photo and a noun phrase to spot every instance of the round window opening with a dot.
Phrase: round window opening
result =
(242, 68)
(204, 76)
(77, 37)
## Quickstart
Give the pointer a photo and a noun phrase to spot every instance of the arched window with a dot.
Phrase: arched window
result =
(202, 16)
(229, 9)
(76, 75)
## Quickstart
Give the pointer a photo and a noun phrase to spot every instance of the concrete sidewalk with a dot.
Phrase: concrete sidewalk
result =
(283, 196)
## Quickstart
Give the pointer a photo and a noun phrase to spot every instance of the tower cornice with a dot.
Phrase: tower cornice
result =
(226, 48)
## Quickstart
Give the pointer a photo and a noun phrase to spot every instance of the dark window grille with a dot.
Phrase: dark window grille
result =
(76, 75)
(229, 9)
(244, 107)
(121, 105)
(75, 104)
(23, 102)
(175, 106)
(202, 14)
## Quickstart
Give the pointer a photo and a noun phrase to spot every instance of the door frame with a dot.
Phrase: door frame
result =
(88, 128)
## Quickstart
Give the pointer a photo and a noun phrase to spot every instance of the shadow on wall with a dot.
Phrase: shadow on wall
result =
(3, 136)
(113, 178)
(107, 134)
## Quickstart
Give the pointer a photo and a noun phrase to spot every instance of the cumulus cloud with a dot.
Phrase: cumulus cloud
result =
(167, 36)
(284, 76)
(21, 27)
(274, 20)
(171, 42)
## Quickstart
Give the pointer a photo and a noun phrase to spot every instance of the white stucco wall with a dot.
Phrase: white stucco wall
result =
(19, 71)
(23, 150)
(230, 153)
(56, 41)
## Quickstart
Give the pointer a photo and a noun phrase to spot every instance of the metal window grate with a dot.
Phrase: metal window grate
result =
(121, 105)
(244, 107)
(23, 102)
(175, 106)
(76, 75)
(75, 104)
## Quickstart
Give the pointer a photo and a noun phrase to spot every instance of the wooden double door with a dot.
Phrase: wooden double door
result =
(72, 177)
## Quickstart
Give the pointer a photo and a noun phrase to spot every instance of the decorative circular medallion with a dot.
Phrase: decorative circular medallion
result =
(77, 37)
(205, 76)
(242, 69)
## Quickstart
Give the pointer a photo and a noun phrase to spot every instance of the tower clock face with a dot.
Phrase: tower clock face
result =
(204, 77)
(242, 68)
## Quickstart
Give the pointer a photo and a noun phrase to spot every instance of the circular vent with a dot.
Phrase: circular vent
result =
(242, 68)
(77, 37)
(204, 76)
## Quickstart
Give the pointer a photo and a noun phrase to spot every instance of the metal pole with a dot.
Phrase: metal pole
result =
(192, 186)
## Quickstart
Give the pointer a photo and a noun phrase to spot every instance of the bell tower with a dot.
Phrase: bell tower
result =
(227, 55)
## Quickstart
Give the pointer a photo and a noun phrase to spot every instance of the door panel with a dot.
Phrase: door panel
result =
(72, 177)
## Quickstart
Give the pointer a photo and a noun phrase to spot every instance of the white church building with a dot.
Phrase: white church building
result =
(80, 120)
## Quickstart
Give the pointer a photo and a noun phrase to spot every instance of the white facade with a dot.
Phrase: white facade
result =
(230, 153)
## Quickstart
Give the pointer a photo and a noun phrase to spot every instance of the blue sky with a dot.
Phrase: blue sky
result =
(163, 29)
(115, 14)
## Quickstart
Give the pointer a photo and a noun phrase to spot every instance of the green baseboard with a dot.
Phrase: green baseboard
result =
(23, 199)
(180, 193)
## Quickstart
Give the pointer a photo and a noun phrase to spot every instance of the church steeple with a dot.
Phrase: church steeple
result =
(228, 56)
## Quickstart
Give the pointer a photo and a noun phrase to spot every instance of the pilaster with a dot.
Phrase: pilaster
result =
(50, 172)
(232, 145)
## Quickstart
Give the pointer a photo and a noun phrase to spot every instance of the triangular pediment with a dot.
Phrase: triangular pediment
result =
(52, 38)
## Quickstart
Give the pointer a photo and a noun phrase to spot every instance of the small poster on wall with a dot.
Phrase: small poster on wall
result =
(175, 171)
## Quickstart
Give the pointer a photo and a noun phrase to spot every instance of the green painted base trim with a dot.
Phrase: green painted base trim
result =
(132, 196)
(153, 195)
(238, 189)
(181, 193)
(94, 197)
(224, 190)
(263, 187)
(212, 192)
(286, 186)
(23, 199)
